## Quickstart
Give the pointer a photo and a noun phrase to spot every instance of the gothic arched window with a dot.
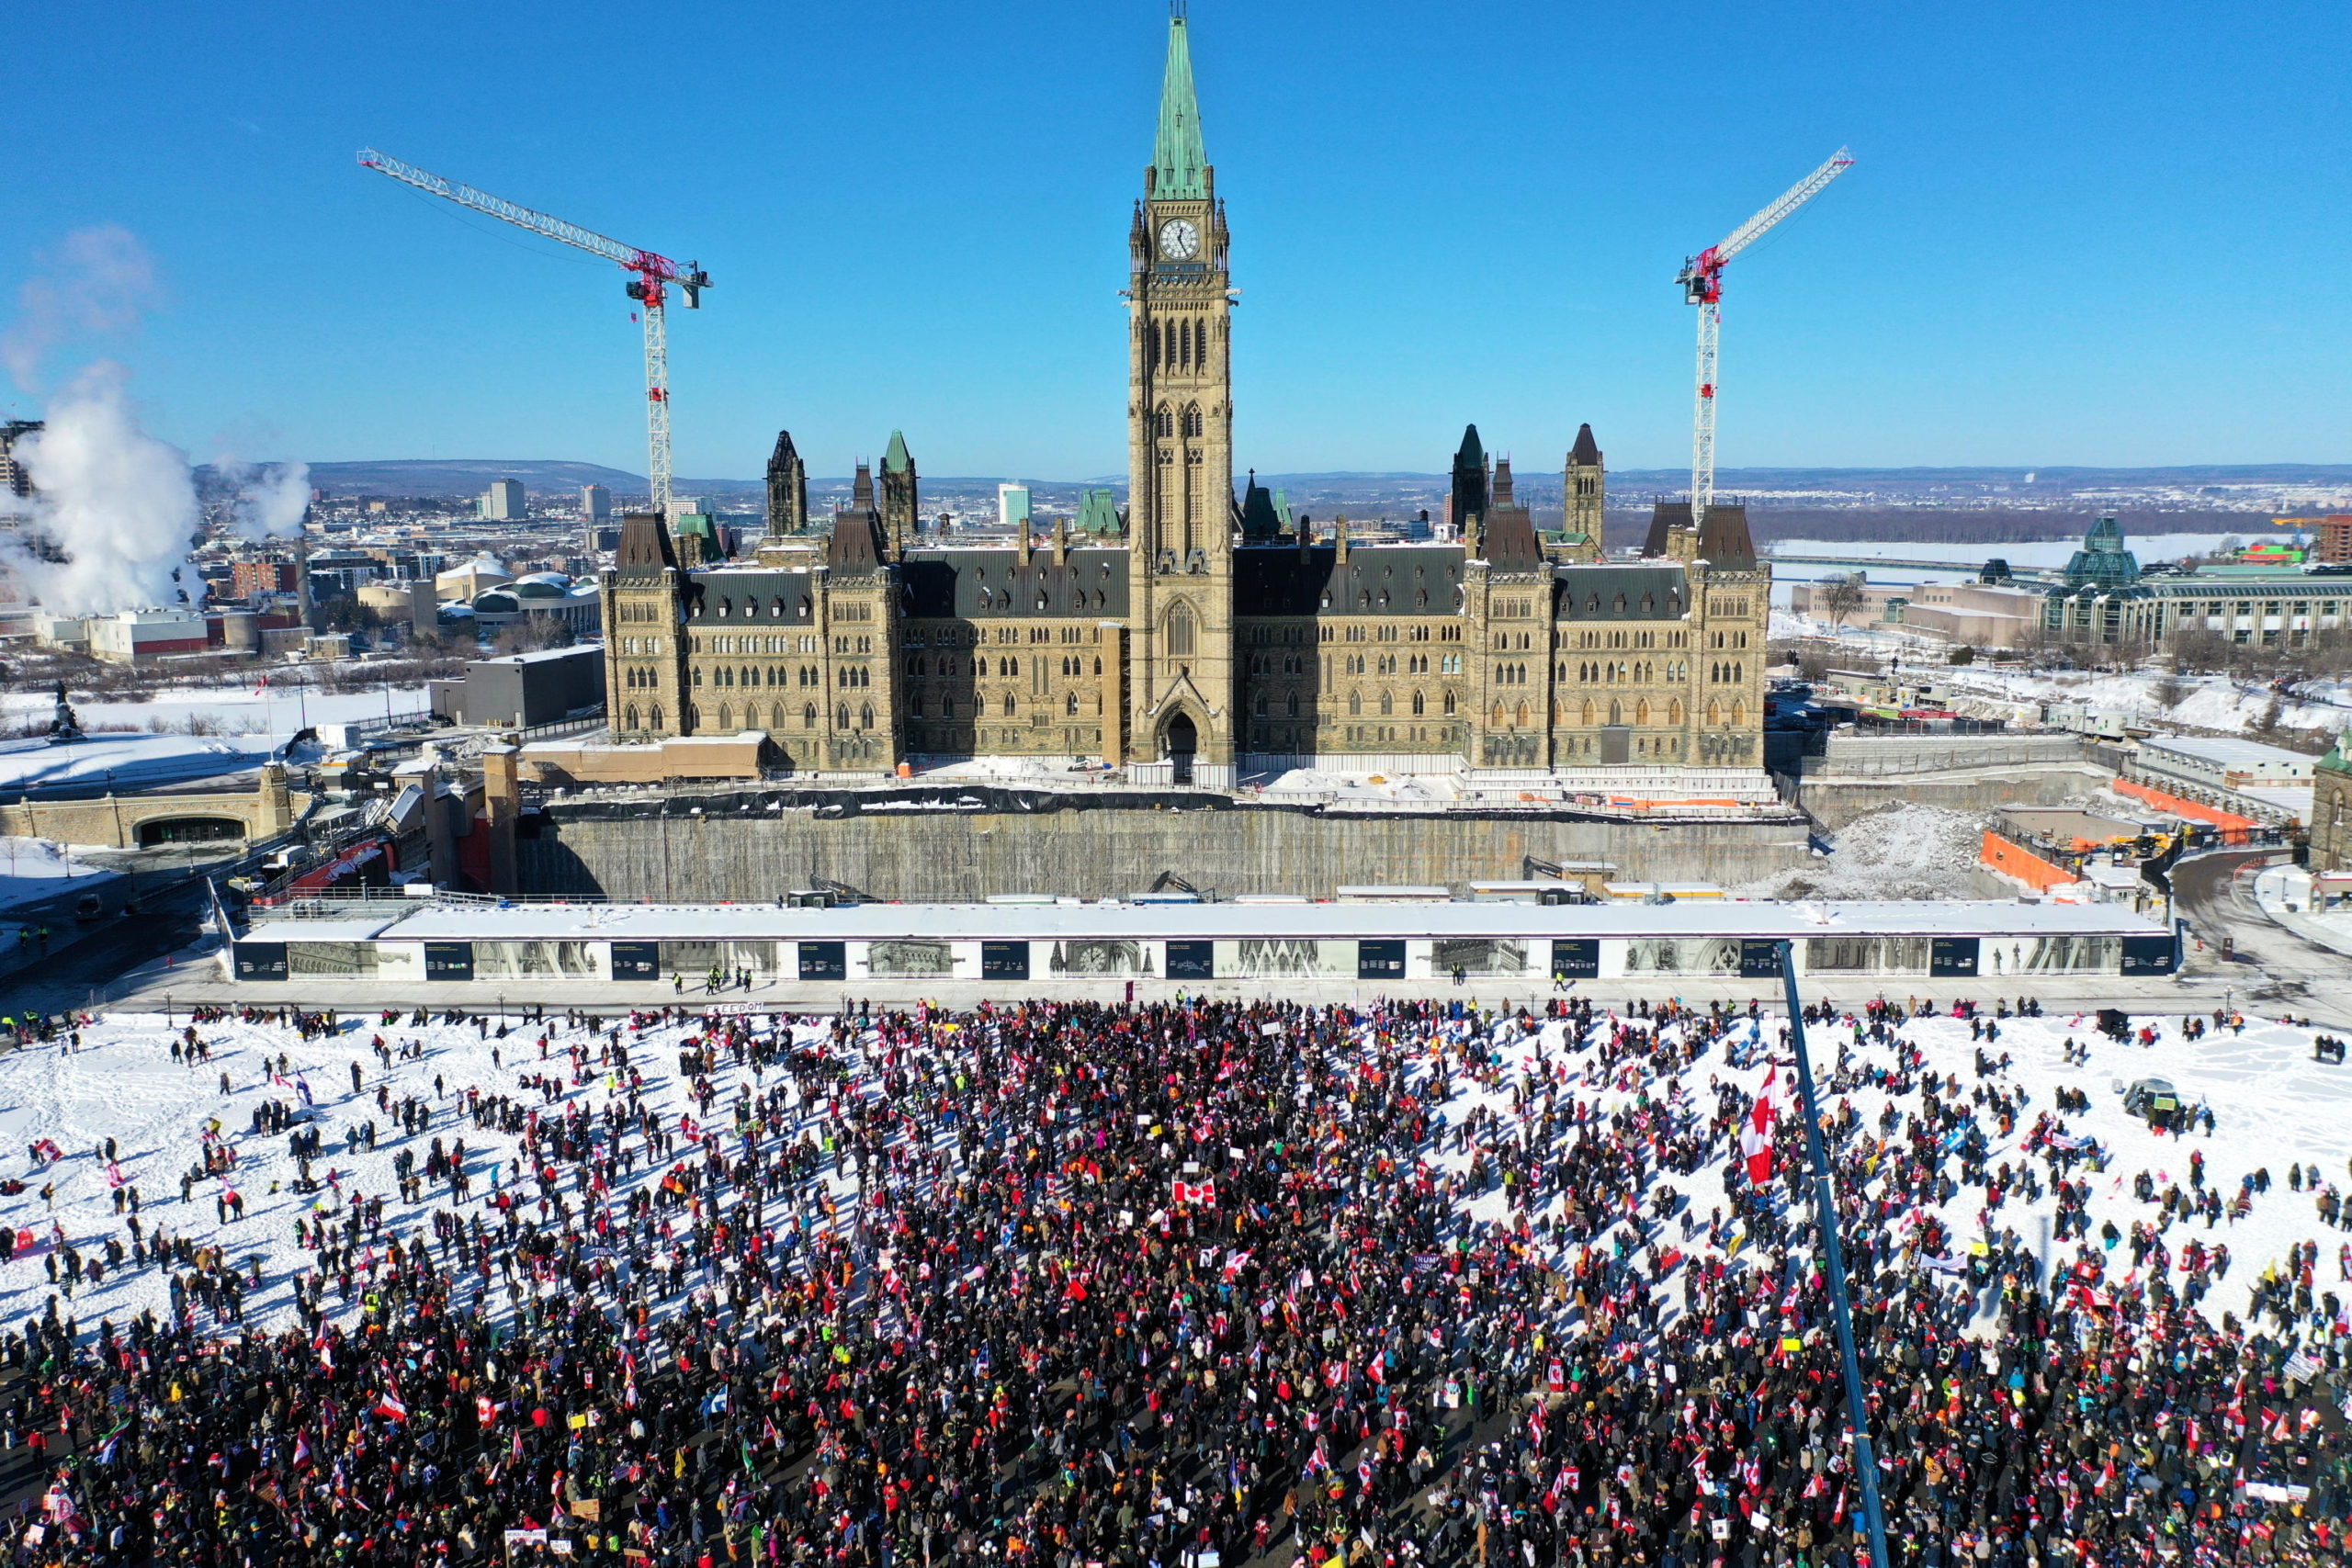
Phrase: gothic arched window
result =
(1180, 631)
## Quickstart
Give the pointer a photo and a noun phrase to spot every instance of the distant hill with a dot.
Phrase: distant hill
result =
(1987, 505)
(465, 476)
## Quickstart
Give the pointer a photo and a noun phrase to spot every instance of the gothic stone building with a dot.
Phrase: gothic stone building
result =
(1192, 638)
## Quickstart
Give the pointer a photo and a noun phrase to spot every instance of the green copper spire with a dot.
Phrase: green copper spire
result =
(1176, 153)
(895, 459)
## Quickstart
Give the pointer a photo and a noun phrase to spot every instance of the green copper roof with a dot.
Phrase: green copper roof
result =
(1098, 513)
(895, 460)
(1176, 153)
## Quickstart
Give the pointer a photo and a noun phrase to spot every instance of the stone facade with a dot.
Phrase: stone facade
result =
(1193, 638)
(2332, 808)
(164, 816)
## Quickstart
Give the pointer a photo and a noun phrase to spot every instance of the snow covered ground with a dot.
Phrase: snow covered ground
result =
(1367, 787)
(2205, 702)
(2273, 1104)
(275, 711)
(2213, 703)
(34, 869)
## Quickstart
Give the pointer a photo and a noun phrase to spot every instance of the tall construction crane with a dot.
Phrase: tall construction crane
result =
(655, 273)
(1702, 284)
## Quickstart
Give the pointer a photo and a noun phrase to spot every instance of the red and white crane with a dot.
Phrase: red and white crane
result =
(655, 274)
(1702, 284)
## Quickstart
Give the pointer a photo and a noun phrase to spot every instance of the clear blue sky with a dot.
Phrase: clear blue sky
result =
(2091, 233)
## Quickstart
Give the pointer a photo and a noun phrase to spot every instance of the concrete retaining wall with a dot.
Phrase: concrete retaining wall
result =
(1857, 754)
(1835, 801)
(930, 855)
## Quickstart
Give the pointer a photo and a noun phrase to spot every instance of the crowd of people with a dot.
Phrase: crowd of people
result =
(1166, 1286)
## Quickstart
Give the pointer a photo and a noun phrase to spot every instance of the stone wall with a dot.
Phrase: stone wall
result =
(115, 820)
(759, 854)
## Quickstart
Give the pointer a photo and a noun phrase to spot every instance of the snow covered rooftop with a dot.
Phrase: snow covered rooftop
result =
(883, 922)
(127, 762)
(2229, 751)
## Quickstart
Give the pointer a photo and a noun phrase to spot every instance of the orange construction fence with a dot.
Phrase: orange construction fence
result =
(2015, 860)
(2236, 830)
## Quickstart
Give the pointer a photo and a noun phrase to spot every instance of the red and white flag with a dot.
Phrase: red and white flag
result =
(388, 1405)
(1756, 1138)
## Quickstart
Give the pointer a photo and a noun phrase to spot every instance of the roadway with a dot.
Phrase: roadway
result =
(2268, 966)
(148, 918)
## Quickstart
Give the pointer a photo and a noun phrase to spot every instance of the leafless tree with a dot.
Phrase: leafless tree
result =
(1845, 596)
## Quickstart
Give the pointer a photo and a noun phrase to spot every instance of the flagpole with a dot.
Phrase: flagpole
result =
(1834, 1260)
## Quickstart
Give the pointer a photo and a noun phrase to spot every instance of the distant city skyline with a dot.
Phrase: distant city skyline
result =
(2080, 238)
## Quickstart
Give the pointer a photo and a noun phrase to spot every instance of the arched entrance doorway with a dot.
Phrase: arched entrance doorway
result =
(189, 830)
(1179, 741)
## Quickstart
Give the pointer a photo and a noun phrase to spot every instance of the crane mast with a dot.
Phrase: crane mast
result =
(655, 275)
(1702, 284)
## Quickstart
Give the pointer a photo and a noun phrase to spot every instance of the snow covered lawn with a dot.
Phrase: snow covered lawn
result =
(275, 711)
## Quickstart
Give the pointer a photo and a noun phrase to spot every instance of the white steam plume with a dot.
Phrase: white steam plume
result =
(272, 498)
(113, 510)
(96, 282)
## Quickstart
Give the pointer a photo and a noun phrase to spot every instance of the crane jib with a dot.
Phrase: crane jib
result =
(1702, 284)
(653, 270)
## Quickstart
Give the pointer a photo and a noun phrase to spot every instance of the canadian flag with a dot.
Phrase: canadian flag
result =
(1756, 1138)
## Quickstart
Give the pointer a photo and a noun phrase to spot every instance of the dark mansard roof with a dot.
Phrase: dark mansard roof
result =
(973, 584)
(1646, 591)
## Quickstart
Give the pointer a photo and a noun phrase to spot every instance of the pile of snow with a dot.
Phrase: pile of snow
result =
(1057, 770)
(1896, 852)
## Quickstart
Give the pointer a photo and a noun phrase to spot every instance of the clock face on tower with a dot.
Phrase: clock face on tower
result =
(1180, 239)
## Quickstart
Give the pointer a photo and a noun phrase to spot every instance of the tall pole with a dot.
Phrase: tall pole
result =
(1825, 1199)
